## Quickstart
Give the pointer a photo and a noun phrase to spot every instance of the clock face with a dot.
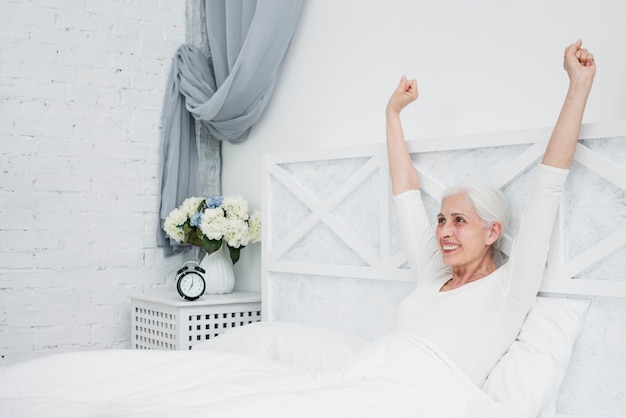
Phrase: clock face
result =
(191, 285)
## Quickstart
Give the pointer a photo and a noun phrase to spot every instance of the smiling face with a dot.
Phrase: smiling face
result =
(463, 239)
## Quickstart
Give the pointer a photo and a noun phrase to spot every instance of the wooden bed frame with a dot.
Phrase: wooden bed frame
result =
(332, 254)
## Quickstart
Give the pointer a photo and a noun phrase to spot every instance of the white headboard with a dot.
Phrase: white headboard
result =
(332, 253)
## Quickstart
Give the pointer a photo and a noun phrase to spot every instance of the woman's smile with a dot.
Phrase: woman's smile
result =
(449, 247)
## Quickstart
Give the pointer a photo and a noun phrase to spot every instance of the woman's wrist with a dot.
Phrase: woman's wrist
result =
(579, 88)
(390, 112)
(581, 82)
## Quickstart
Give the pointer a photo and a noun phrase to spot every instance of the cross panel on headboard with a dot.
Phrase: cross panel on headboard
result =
(329, 212)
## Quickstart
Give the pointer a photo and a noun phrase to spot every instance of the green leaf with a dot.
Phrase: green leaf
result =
(192, 235)
(211, 245)
(234, 253)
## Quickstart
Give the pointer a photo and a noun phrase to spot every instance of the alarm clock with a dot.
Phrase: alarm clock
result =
(190, 281)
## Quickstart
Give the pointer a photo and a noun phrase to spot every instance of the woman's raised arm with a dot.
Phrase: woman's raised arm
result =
(403, 174)
(581, 69)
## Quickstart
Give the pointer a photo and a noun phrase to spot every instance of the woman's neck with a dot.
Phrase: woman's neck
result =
(462, 275)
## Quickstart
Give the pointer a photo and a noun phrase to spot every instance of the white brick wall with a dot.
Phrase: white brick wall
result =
(81, 88)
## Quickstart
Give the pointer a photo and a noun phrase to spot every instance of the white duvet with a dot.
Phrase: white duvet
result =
(396, 376)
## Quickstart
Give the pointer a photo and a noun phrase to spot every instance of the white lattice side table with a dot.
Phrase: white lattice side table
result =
(167, 322)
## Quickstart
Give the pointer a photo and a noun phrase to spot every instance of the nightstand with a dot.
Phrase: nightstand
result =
(166, 322)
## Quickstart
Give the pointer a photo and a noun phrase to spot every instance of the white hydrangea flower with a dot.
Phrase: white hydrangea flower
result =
(236, 234)
(173, 225)
(211, 214)
(190, 205)
(235, 207)
(254, 227)
(213, 224)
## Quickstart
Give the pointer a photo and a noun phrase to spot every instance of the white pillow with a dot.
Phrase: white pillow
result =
(311, 346)
(529, 375)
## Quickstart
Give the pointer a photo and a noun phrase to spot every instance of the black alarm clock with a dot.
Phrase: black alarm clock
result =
(190, 280)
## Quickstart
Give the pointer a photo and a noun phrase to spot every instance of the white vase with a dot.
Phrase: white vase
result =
(219, 276)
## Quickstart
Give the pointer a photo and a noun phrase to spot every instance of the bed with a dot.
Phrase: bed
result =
(333, 271)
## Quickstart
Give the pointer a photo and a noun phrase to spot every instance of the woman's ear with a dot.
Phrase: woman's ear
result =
(494, 232)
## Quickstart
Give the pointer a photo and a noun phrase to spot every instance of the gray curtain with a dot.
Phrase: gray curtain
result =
(225, 88)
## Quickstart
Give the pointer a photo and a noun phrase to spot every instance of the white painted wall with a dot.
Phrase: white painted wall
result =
(81, 88)
(482, 66)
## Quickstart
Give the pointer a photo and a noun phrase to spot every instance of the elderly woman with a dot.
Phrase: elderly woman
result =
(464, 303)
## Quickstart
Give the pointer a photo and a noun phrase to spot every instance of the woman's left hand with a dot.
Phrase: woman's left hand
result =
(579, 63)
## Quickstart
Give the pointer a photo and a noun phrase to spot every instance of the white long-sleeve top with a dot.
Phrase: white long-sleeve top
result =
(477, 322)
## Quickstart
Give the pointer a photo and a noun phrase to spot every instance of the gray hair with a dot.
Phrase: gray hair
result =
(488, 201)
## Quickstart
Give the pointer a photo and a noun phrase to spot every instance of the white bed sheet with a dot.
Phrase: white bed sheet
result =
(396, 376)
